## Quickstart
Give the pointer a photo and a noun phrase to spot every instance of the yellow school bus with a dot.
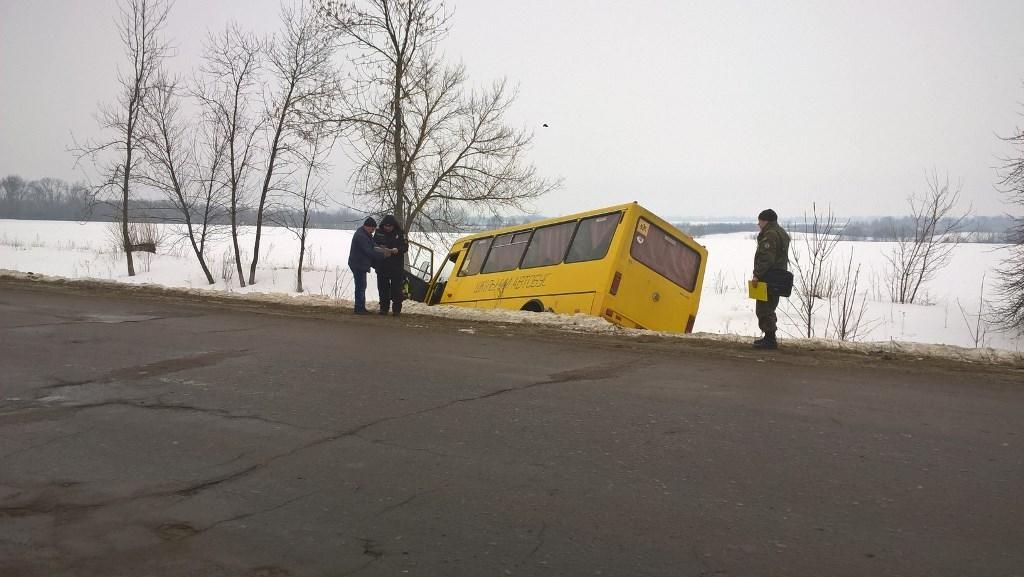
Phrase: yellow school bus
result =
(622, 263)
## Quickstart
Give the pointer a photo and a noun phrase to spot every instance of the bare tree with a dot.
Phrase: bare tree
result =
(978, 329)
(813, 276)
(1010, 309)
(426, 146)
(846, 318)
(307, 194)
(139, 25)
(209, 153)
(49, 191)
(389, 35)
(13, 190)
(171, 163)
(227, 89)
(300, 61)
(924, 246)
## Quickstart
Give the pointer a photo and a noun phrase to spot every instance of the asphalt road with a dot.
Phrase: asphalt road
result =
(151, 436)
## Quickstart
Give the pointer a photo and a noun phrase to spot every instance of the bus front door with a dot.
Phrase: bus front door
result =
(437, 286)
(419, 268)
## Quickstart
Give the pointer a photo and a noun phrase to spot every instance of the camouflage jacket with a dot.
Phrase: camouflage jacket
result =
(772, 250)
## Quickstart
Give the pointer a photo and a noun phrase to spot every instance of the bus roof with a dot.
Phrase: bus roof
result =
(553, 220)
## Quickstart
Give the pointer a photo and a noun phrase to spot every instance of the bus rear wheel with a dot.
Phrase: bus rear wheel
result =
(534, 306)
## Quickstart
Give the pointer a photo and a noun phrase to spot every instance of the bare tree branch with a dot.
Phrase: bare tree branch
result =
(304, 83)
(923, 248)
(140, 25)
(813, 276)
(1009, 311)
(172, 167)
(307, 193)
(226, 88)
(426, 146)
(846, 318)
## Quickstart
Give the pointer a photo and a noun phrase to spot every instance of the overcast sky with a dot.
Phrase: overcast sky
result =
(702, 108)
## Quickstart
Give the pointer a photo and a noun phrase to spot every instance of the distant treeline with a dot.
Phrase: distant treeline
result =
(705, 228)
(56, 199)
(43, 199)
(986, 229)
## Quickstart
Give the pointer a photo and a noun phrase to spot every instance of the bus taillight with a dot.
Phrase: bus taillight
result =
(689, 323)
(615, 283)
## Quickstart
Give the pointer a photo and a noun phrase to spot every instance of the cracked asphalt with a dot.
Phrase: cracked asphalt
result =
(145, 435)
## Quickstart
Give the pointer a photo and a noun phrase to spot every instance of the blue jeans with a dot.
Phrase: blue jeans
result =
(360, 278)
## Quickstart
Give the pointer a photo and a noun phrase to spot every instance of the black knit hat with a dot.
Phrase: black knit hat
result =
(389, 219)
(768, 214)
(370, 222)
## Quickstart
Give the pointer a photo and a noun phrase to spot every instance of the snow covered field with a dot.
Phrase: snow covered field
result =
(947, 315)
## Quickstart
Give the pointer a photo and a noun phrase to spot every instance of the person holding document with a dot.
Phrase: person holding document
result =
(771, 261)
(390, 241)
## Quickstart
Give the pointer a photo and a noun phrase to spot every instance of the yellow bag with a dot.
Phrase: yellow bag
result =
(757, 290)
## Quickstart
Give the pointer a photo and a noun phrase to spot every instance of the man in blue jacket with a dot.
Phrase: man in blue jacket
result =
(361, 257)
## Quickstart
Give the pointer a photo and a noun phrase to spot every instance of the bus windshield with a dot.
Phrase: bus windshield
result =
(475, 257)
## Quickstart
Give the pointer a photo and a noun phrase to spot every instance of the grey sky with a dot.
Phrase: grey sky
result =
(698, 108)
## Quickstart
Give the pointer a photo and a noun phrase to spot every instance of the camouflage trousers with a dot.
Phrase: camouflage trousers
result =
(766, 319)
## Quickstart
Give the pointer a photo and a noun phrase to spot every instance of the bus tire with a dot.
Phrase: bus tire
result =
(534, 306)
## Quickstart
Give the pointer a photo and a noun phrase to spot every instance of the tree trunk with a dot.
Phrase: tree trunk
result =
(197, 249)
(274, 149)
(125, 235)
(234, 236)
(238, 256)
(302, 255)
(400, 172)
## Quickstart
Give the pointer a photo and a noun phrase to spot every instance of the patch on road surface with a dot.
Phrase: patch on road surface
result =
(269, 572)
(117, 319)
(176, 531)
(174, 365)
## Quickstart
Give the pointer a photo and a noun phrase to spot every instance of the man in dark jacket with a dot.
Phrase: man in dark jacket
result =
(391, 270)
(361, 257)
(772, 255)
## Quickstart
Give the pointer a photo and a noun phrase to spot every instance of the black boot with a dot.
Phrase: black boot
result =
(767, 343)
(383, 309)
(397, 309)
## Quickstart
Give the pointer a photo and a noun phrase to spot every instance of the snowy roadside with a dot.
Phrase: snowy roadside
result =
(578, 323)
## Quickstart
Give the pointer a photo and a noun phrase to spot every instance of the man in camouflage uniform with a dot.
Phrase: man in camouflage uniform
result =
(772, 254)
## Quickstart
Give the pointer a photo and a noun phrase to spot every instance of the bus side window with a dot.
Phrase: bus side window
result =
(549, 245)
(593, 238)
(507, 251)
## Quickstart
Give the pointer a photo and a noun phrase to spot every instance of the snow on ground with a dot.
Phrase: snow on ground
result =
(944, 325)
